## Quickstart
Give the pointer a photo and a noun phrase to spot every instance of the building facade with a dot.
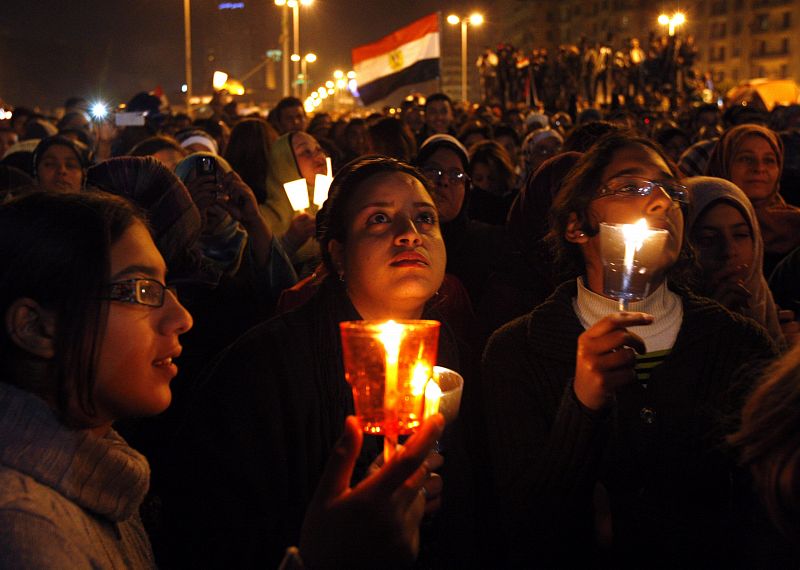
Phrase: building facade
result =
(736, 40)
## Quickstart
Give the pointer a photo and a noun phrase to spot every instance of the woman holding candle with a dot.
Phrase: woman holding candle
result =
(89, 337)
(278, 396)
(294, 156)
(595, 451)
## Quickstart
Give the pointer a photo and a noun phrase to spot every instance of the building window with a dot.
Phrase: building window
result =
(761, 23)
(719, 7)
(737, 27)
(787, 20)
(738, 5)
(785, 45)
(735, 74)
(737, 50)
(784, 71)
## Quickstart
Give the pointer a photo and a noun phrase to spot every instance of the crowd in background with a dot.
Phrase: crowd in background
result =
(586, 435)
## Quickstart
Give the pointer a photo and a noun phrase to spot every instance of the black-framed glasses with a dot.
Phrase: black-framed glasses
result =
(632, 186)
(148, 292)
(454, 175)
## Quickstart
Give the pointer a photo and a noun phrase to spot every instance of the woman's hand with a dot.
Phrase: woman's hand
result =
(300, 230)
(432, 488)
(376, 523)
(204, 191)
(238, 199)
(606, 356)
(727, 286)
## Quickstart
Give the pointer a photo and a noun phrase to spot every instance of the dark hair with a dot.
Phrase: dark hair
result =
(438, 97)
(152, 145)
(585, 135)
(475, 127)
(55, 249)
(274, 116)
(248, 153)
(579, 189)
(80, 150)
(392, 137)
(495, 157)
(504, 130)
(769, 441)
(332, 221)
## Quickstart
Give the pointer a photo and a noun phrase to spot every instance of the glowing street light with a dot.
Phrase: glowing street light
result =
(677, 19)
(308, 58)
(474, 19)
(338, 74)
(295, 6)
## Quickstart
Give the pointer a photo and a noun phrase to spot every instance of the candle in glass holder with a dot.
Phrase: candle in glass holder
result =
(388, 366)
(630, 254)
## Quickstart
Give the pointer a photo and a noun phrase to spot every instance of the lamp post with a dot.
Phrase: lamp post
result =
(187, 46)
(473, 20)
(304, 61)
(295, 6)
(677, 19)
(672, 23)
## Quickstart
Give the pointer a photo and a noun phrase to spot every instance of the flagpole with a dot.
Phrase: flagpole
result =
(441, 49)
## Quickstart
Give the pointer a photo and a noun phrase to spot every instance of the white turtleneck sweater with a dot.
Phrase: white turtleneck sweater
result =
(68, 498)
(665, 306)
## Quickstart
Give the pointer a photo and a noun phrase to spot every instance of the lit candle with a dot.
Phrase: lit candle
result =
(635, 235)
(297, 192)
(432, 396)
(322, 184)
(391, 335)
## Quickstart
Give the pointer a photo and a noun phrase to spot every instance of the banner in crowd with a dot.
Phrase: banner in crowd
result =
(406, 56)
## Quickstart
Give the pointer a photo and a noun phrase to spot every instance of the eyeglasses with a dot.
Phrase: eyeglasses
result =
(454, 175)
(631, 186)
(148, 292)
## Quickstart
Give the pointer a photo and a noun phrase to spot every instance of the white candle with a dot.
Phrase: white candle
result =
(297, 191)
(322, 184)
(635, 236)
(391, 335)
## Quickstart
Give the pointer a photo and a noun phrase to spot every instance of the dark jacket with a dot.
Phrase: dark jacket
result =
(258, 435)
(657, 452)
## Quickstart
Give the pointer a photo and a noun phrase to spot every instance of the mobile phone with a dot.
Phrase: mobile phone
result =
(206, 165)
(128, 119)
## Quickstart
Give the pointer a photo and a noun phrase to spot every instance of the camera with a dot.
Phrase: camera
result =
(206, 165)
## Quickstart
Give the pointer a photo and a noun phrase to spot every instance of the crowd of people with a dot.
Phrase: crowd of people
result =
(173, 391)
(660, 72)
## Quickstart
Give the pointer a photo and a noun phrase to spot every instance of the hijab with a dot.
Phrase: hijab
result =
(707, 191)
(779, 222)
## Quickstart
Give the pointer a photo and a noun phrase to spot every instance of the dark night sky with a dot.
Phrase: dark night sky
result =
(51, 49)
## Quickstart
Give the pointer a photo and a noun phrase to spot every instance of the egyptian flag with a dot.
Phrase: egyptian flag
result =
(406, 56)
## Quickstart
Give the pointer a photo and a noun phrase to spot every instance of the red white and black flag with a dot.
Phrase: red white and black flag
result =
(404, 57)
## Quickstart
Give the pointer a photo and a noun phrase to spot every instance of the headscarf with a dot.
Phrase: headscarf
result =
(707, 191)
(454, 231)
(197, 136)
(225, 246)
(534, 138)
(529, 217)
(172, 215)
(282, 168)
(80, 150)
(780, 222)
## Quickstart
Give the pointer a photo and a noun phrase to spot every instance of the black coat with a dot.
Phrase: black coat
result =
(258, 435)
(657, 452)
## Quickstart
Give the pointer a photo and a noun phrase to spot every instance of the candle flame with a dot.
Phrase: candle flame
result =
(432, 396)
(419, 378)
(635, 235)
(391, 334)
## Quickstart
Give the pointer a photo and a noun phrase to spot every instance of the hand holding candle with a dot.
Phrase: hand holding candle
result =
(297, 192)
(389, 366)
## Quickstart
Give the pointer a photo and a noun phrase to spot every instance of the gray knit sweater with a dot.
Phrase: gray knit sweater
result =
(68, 499)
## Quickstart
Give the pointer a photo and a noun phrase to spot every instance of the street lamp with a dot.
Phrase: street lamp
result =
(304, 61)
(295, 6)
(187, 47)
(677, 19)
(475, 19)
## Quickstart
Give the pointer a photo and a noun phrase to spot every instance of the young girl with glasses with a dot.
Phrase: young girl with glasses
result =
(90, 335)
(605, 426)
